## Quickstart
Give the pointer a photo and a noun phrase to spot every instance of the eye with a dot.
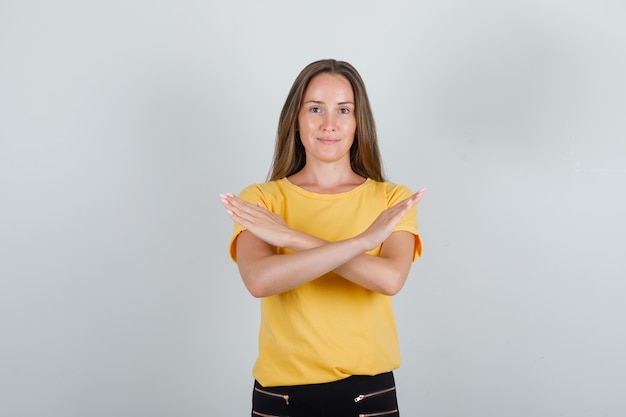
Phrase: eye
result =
(344, 110)
(315, 109)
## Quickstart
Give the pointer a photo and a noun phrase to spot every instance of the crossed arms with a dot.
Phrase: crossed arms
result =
(266, 273)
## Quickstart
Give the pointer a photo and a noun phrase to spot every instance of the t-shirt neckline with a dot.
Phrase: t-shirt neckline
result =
(324, 195)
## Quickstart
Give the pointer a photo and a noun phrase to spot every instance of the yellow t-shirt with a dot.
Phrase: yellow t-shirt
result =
(329, 328)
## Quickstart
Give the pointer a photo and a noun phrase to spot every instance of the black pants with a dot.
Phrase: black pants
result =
(355, 396)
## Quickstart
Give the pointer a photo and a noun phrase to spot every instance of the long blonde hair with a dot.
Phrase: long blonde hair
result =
(289, 155)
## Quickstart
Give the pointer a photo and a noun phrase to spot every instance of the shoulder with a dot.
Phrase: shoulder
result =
(269, 193)
(393, 192)
(269, 187)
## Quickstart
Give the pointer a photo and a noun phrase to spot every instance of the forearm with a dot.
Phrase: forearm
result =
(376, 273)
(277, 273)
(266, 273)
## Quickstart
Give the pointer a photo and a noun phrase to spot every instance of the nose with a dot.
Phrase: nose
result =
(329, 123)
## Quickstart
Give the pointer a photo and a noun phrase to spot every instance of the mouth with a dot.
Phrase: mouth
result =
(328, 141)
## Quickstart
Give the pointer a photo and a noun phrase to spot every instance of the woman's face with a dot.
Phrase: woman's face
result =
(326, 120)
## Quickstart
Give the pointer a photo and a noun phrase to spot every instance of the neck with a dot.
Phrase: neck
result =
(327, 178)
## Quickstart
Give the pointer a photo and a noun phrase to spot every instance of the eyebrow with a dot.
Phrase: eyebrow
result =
(321, 102)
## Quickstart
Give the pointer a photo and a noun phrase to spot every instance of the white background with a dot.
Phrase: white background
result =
(121, 121)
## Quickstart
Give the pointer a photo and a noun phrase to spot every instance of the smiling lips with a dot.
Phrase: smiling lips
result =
(328, 140)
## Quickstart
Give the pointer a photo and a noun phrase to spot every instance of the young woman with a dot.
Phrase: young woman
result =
(325, 243)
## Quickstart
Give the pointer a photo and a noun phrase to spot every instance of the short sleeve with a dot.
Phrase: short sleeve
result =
(397, 193)
(252, 194)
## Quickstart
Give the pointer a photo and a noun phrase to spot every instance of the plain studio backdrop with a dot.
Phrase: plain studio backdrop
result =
(122, 121)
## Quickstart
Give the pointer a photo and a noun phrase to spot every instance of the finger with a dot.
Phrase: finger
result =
(241, 206)
(227, 199)
(238, 215)
(415, 198)
(241, 216)
(400, 209)
(224, 200)
(238, 210)
(238, 202)
(251, 215)
(418, 196)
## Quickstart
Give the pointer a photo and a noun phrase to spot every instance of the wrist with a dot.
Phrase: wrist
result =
(294, 239)
(299, 241)
(361, 243)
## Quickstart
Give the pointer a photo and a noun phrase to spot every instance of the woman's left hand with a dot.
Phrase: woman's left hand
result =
(267, 226)
(386, 221)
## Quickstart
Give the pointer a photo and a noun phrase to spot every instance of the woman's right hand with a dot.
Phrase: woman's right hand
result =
(386, 221)
(267, 226)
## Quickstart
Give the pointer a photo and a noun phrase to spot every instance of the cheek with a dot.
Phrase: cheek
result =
(352, 127)
(306, 124)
